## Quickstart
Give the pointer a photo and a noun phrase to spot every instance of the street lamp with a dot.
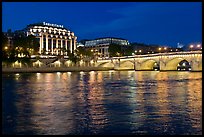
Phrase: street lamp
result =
(199, 46)
(160, 49)
(191, 47)
(6, 48)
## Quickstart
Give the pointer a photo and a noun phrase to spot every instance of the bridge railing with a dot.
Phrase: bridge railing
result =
(155, 54)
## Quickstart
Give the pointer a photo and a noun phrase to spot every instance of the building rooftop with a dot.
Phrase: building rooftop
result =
(44, 24)
(107, 37)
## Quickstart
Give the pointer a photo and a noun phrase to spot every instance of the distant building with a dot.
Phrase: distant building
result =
(9, 34)
(101, 45)
(54, 39)
(80, 45)
(10, 39)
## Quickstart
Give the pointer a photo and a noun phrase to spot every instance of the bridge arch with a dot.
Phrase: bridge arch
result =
(173, 63)
(184, 65)
(148, 64)
(127, 64)
(106, 65)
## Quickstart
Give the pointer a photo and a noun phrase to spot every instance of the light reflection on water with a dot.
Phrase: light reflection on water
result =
(103, 102)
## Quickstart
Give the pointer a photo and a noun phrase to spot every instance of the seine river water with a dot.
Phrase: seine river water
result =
(102, 102)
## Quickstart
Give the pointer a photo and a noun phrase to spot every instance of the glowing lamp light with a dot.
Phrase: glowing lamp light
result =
(92, 61)
(81, 62)
(191, 46)
(58, 73)
(198, 46)
(184, 64)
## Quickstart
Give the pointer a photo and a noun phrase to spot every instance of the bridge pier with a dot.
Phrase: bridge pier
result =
(137, 66)
(196, 66)
(162, 66)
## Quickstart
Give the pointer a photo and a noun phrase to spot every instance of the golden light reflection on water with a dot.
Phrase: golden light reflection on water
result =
(194, 97)
(139, 116)
(66, 103)
(50, 106)
(162, 101)
(175, 96)
(96, 98)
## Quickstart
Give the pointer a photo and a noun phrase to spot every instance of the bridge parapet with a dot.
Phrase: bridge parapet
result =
(166, 61)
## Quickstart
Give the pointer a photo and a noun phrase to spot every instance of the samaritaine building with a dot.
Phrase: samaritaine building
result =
(54, 39)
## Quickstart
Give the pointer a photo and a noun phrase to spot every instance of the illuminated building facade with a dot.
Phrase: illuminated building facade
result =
(101, 45)
(54, 39)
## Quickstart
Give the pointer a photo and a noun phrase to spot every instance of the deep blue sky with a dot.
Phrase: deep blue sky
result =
(164, 23)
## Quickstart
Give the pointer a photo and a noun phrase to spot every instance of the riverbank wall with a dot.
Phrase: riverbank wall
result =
(66, 69)
(54, 69)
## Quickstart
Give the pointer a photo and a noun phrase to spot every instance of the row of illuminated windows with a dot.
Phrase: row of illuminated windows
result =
(50, 28)
(55, 43)
(106, 41)
(49, 31)
(52, 36)
(53, 32)
(44, 38)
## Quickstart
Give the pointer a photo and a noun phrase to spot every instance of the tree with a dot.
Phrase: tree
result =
(32, 42)
(114, 50)
(73, 58)
(83, 52)
(128, 50)
(4, 44)
(4, 40)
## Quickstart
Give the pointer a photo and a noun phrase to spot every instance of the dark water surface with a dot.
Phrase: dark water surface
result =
(102, 102)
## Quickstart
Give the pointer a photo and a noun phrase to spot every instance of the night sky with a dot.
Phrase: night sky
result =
(164, 23)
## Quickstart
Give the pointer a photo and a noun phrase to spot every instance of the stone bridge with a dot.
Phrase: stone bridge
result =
(165, 61)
